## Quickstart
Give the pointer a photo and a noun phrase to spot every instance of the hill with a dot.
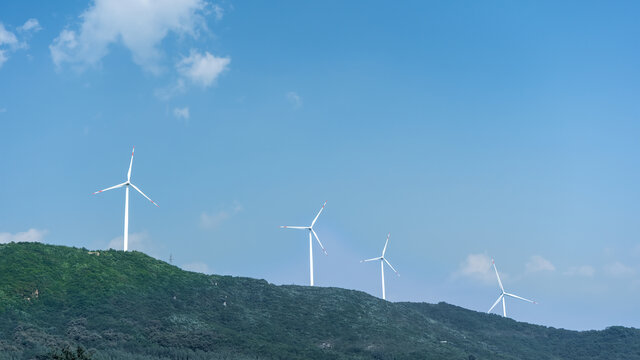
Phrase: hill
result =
(130, 306)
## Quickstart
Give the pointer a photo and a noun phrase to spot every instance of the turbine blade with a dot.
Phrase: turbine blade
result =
(110, 188)
(521, 298)
(130, 165)
(140, 191)
(495, 303)
(319, 212)
(498, 276)
(385, 244)
(317, 238)
(391, 266)
(294, 227)
(378, 258)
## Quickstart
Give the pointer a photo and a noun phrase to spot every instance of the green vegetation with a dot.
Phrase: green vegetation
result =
(120, 305)
(67, 354)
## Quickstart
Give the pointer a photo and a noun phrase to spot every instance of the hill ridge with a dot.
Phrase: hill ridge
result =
(132, 306)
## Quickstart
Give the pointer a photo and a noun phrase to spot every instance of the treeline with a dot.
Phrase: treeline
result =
(117, 305)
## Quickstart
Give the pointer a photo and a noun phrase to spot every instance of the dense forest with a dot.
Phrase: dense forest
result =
(58, 302)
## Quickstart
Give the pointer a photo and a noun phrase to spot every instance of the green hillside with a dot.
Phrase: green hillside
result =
(130, 306)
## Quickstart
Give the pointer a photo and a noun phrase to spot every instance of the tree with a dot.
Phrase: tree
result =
(68, 354)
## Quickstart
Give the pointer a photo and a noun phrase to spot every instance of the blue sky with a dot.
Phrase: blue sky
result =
(468, 130)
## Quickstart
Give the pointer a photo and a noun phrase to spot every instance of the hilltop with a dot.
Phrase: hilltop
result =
(131, 306)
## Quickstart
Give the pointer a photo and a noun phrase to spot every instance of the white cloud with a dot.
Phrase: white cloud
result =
(478, 267)
(202, 69)
(213, 220)
(294, 99)
(3, 57)
(31, 25)
(8, 42)
(7, 37)
(181, 113)
(583, 270)
(618, 269)
(538, 263)
(197, 267)
(218, 11)
(31, 235)
(170, 91)
(139, 25)
(64, 43)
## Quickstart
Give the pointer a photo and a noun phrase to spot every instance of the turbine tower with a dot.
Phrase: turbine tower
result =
(311, 231)
(504, 294)
(382, 261)
(126, 184)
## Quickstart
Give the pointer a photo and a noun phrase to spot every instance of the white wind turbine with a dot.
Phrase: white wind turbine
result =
(382, 261)
(311, 231)
(126, 184)
(504, 294)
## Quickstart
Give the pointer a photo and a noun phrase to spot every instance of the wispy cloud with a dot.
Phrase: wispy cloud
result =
(477, 267)
(215, 219)
(198, 69)
(202, 69)
(618, 269)
(139, 25)
(181, 113)
(583, 270)
(10, 43)
(167, 92)
(218, 11)
(3, 57)
(31, 235)
(7, 37)
(537, 263)
(294, 99)
(31, 25)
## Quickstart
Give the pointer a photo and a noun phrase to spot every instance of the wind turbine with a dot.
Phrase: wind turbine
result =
(382, 261)
(311, 231)
(126, 184)
(504, 294)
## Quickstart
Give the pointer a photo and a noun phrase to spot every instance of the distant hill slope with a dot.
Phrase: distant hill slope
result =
(131, 306)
